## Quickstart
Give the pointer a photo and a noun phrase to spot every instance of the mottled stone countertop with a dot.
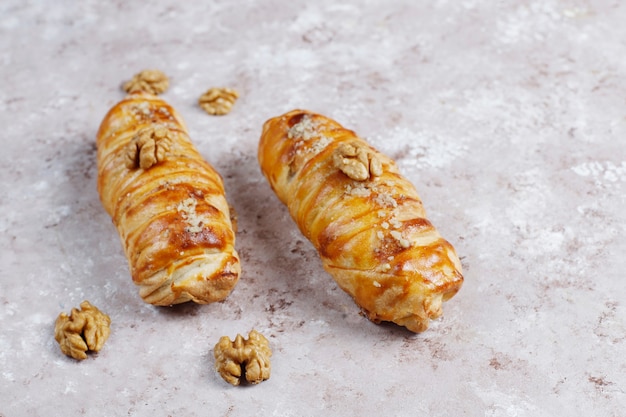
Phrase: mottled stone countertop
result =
(508, 116)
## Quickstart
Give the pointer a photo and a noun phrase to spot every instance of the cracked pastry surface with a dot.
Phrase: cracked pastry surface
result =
(365, 219)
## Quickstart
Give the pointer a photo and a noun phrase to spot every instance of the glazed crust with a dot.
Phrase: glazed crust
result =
(172, 217)
(373, 236)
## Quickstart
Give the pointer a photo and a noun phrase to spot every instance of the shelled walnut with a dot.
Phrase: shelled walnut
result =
(218, 101)
(83, 330)
(357, 162)
(148, 147)
(249, 359)
(147, 81)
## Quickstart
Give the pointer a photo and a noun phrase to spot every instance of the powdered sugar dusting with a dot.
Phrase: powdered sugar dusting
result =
(603, 173)
(529, 22)
(424, 151)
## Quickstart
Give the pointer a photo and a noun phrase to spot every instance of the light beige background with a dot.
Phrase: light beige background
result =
(508, 116)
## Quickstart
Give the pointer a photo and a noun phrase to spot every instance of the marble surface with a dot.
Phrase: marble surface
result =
(508, 116)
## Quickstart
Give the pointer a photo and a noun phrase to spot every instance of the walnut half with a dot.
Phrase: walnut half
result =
(249, 359)
(149, 147)
(357, 162)
(147, 81)
(83, 330)
(218, 101)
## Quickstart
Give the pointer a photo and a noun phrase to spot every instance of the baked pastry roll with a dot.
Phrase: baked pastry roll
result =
(167, 203)
(365, 219)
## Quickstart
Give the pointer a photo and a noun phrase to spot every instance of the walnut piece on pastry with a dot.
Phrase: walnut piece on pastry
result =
(148, 147)
(168, 204)
(354, 160)
(365, 219)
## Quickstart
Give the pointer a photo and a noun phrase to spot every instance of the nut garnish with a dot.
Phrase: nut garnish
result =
(405, 243)
(357, 162)
(147, 81)
(218, 101)
(187, 209)
(149, 147)
(243, 358)
(385, 200)
(305, 129)
(83, 330)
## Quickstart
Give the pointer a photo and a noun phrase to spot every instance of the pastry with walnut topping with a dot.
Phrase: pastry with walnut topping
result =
(167, 202)
(365, 219)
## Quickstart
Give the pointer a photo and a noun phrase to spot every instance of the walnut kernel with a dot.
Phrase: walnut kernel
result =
(147, 81)
(249, 359)
(218, 101)
(149, 147)
(357, 162)
(83, 330)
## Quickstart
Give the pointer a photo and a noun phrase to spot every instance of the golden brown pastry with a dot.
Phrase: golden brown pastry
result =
(167, 203)
(364, 218)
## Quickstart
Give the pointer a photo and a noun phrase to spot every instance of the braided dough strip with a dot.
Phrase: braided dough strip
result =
(372, 234)
(167, 203)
